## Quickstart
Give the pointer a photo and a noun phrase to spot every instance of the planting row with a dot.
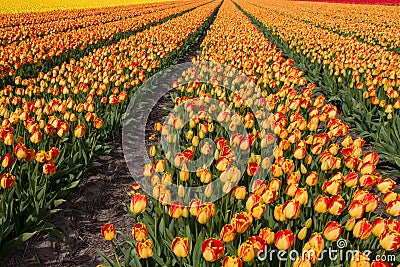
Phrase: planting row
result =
(13, 20)
(54, 124)
(16, 34)
(27, 57)
(363, 79)
(249, 162)
(376, 25)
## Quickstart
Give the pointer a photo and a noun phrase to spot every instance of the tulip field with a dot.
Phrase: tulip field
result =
(280, 145)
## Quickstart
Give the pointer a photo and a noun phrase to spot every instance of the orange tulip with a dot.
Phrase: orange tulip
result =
(390, 240)
(379, 225)
(332, 231)
(7, 180)
(212, 249)
(139, 231)
(267, 235)
(241, 221)
(284, 239)
(232, 261)
(7, 160)
(239, 192)
(321, 204)
(108, 231)
(380, 263)
(336, 205)
(144, 249)
(138, 203)
(180, 247)
(176, 209)
(246, 251)
(49, 168)
(79, 131)
(362, 229)
(356, 209)
(393, 208)
(291, 209)
(228, 233)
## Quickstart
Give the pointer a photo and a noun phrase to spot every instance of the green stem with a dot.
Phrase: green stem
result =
(115, 253)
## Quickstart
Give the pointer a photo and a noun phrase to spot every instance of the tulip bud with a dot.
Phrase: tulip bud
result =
(181, 191)
(302, 233)
(350, 224)
(152, 151)
(208, 191)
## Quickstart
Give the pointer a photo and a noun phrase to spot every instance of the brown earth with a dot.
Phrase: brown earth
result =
(99, 198)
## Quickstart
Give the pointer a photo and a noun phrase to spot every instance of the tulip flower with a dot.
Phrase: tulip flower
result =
(379, 225)
(79, 130)
(108, 231)
(138, 203)
(267, 235)
(212, 249)
(390, 240)
(246, 251)
(7, 160)
(291, 209)
(336, 205)
(284, 239)
(356, 209)
(393, 208)
(380, 263)
(241, 221)
(139, 231)
(144, 249)
(332, 231)
(238, 192)
(359, 260)
(228, 233)
(232, 261)
(7, 180)
(321, 204)
(49, 168)
(362, 229)
(180, 247)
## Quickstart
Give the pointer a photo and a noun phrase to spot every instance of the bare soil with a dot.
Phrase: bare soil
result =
(99, 198)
